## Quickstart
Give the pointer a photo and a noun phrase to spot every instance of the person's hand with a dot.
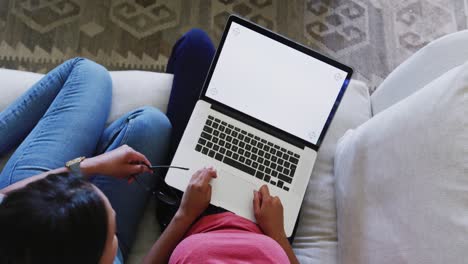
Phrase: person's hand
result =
(122, 162)
(197, 196)
(268, 211)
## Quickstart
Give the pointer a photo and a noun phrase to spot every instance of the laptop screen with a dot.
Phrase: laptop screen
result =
(275, 83)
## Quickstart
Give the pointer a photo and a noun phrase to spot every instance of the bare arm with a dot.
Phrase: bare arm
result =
(120, 163)
(268, 211)
(195, 200)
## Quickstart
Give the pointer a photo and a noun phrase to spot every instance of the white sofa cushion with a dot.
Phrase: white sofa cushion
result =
(131, 89)
(402, 179)
(316, 237)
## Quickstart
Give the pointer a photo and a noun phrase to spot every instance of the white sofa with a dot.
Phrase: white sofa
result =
(316, 239)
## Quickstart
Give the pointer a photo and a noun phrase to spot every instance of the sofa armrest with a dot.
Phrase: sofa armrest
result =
(427, 64)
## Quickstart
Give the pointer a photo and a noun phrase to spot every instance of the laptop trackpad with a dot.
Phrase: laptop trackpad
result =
(233, 193)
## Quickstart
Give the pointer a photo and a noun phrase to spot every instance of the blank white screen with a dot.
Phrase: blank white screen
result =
(274, 83)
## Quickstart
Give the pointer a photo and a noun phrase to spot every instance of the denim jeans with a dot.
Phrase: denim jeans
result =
(63, 116)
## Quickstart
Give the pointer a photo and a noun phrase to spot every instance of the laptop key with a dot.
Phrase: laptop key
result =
(249, 162)
(215, 126)
(228, 131)
(240, 137)
(205, 150)
(222, 128)
(260, 160)
(222, 136)
(242, 159)
(228, 145)
(274, 159)
(255, 150)
(198, 147)
(284, 178)
(274, 174)
(267, 163)
(247, 154)
(259, 175)
(202, 141)
(216, 133)
(296, 156)
(261, 153)
(280, 162)
(209, 123)
(221, 143)
(287, 164)
(207, 129)
(268, 171)
(279, 184)
(239, 166)
(248, 147)
(285, 156)
(261, 168)
(219, 156)
(293, 170)
(272, 151)
(229, 139)
(209, 144)
(273, 183)
(266, 178)
(210, 117)
(241, 144)
(255, 165)
(235, 156)
(211, 153)
(217, 120)
(206, 135)
(247, 140)
(273, 166)
(267, 156)
(260, 145)
(285, 188)
(216, 148)
(235, 141)
(215, 140)
(229, 153)
(222, 151)
(223, 123)
(241, 151)
(234, 134)
(293, 160)
(234, 148)
(266, 148)
(250, 135)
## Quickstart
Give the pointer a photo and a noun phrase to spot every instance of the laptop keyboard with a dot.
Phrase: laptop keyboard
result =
(247, 152)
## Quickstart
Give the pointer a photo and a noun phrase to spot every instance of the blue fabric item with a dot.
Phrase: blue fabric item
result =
(189, 62)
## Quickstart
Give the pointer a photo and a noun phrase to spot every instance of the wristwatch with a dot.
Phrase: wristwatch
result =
(74, 166)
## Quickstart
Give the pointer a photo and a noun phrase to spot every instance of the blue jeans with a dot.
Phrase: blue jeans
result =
(63, 116)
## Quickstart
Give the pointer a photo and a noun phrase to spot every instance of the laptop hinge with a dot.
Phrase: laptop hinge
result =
(279, 134)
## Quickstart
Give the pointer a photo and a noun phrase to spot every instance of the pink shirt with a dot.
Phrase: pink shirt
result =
(227, 238)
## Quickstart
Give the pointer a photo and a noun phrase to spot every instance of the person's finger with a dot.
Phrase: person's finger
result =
(209, 192)
(207, 175)
(264, 191)
(136, 169)
(256, 202)
(135, 155)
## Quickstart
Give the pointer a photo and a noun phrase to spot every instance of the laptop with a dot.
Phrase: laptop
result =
(263, 112)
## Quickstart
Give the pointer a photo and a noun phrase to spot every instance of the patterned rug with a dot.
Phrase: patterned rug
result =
(372, 36)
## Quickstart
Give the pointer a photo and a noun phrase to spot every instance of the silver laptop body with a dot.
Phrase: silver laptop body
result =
(263, 112)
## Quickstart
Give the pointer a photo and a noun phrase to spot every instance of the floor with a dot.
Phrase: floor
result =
(372, 36)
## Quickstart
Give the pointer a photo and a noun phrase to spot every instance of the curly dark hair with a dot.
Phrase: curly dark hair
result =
(58, 219)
